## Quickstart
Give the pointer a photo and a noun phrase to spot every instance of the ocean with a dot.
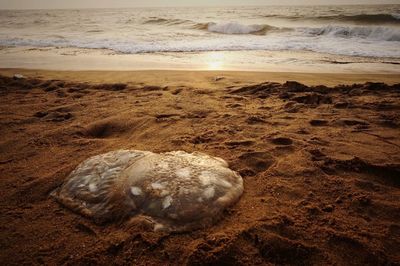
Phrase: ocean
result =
(359, 31)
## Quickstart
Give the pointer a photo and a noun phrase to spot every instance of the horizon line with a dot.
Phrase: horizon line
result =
(195, 6)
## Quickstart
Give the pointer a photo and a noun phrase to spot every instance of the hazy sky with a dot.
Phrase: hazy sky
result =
(33, 4)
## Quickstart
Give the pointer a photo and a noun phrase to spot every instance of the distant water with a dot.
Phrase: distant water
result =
(372, 31)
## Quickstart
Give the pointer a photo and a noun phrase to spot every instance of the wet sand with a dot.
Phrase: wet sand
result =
(320, 165)
(77, 59)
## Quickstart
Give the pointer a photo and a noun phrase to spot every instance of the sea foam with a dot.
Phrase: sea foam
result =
(351, 31)
(237, 28)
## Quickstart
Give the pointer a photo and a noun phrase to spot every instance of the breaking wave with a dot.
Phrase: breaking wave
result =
(368, 18)
(341, 30)
(393, 18)
(235, 28)
(166, 21)
(371, 33)
(224, 28)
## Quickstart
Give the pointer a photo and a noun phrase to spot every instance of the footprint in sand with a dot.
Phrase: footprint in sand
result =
(352, 122)
(253, 163)
(318, 122)
(234, 105)
(235, 143)
(255, 119)
(54, 115)
(282, 141)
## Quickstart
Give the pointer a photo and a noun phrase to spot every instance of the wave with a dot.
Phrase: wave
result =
(166, 21)
(376, 33)
(371, 41)
(329, 45)
(367, 18)
(94, 31)
(224, 28)
(393, 18)
(40, 21)
(235, 28)
(156, 20)
(371, 33)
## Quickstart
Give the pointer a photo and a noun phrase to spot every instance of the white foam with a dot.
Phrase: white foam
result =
(234, 28)
(371, 32)
(373, 43)
(396, 15)
(230, 30)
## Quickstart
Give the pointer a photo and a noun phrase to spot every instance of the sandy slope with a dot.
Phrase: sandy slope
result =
(321, 165)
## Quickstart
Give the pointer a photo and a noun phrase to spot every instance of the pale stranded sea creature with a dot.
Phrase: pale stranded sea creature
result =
(174, 191)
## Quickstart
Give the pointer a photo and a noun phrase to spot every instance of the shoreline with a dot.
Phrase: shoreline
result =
(210, 78)
(79, 59)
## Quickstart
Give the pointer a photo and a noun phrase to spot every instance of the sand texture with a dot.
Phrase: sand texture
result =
(321, 166)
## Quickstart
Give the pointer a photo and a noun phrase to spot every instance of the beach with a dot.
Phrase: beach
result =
(318, 153)
(302, 102)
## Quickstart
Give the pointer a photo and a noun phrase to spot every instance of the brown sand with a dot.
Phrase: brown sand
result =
(321, 166)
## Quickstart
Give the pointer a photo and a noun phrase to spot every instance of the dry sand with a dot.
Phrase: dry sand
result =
(321, 166)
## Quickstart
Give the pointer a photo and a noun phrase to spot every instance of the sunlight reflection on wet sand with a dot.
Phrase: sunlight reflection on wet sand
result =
(269, 61)
(215, 60)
